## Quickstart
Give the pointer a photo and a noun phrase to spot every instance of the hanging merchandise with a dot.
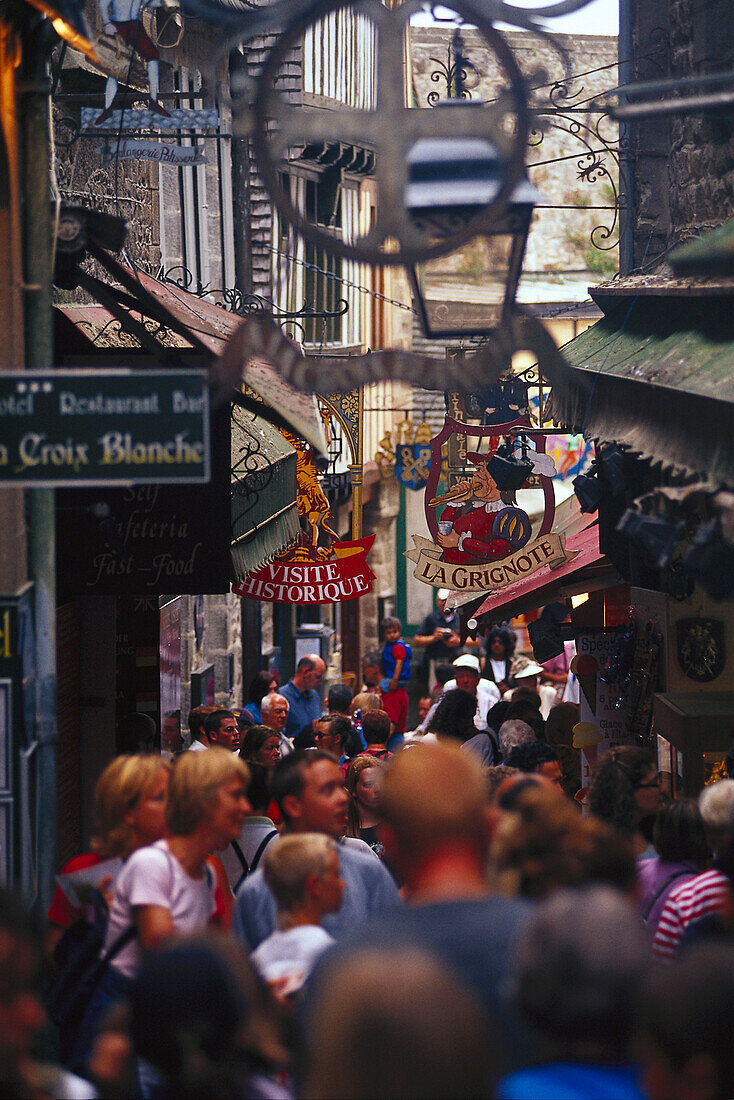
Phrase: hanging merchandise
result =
(643, 683)
(491, 520)
(618, 667)
(572, 454)
(602, 722)
(319, 569)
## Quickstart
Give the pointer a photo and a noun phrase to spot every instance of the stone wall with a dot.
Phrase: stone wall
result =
(571, 151)
(220, 645)
(684, 163)
(701, 166)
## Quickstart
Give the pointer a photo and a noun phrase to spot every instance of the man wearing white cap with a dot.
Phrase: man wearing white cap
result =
(439, 633)
(525, 672)
(469, 679)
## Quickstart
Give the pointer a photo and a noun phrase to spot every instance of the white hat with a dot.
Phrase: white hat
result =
(467, 661)
(525, 666)
(443, 593)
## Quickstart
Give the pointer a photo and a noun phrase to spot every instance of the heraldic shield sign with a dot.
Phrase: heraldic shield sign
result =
(489, 507)
(701, 648)
(412, 464)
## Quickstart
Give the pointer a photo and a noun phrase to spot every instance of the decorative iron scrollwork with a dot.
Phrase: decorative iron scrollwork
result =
(244, 303)
(392, 131)
(250, 470)
(454, 72)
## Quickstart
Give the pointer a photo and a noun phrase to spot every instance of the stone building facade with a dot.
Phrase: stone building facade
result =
(572, 151)
(683, 164)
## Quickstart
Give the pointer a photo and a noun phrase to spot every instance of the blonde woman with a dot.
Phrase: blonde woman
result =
(168, 888)
(129, 812)
(363, 784)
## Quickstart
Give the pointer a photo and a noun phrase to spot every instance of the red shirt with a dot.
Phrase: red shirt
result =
(61, 911)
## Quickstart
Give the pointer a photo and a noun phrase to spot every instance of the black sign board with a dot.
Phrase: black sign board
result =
(111, 427)
(148, 539)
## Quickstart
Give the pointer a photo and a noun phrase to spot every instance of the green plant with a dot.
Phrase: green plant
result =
(604, 262)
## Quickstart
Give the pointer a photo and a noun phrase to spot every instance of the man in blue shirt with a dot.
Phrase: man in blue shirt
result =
(309, 788)
(303, 698)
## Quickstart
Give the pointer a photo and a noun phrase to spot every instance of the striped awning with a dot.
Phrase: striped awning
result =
(264, 507)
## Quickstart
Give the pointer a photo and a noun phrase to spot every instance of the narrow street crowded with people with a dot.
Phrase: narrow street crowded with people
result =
(366, 550)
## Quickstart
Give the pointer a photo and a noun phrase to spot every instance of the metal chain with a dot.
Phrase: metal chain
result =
(338, 278)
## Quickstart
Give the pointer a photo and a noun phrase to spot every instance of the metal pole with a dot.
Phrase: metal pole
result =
(626, 142)
(241, 185)
(36, 135)
(356, 470)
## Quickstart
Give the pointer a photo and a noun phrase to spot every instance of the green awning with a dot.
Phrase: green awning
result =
(656, 374)
(711, 254)
(264, 508)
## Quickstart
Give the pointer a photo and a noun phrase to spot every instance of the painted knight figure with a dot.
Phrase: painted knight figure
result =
(319, 568)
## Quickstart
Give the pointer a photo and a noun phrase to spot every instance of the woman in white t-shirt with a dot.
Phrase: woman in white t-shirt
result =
(168, 888)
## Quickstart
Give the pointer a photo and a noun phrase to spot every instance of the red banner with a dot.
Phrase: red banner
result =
(345, 576)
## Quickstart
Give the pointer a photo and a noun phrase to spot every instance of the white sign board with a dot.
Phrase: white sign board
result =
(602, 712)
(136, 149)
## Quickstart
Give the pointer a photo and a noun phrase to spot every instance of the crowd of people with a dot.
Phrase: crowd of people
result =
(350, 910)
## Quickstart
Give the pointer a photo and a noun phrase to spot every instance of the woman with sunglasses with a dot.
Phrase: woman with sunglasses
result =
(625, 792)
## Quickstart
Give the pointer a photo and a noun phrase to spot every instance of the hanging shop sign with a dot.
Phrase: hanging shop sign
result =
(149, 539)
(495, 526)
(413, 458)
(409, 460)
(112, 427)
(136, 149)
(319, 569)
(177, 118)
(290, 578)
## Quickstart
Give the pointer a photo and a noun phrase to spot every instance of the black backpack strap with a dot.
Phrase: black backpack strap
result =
(117, 945)
(263, 845)
(245, 866)
(235, 846)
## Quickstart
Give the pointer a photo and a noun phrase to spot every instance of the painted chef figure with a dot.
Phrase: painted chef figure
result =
(479, 524)
(123, 17)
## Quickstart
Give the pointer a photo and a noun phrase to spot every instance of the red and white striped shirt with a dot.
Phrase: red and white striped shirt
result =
(704, 894)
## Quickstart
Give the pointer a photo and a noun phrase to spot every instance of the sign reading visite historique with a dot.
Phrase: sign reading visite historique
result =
(112, 427)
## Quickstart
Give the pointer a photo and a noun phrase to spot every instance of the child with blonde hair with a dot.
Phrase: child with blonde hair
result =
(302, 871)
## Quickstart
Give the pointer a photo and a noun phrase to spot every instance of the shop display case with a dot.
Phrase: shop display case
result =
(694, 732)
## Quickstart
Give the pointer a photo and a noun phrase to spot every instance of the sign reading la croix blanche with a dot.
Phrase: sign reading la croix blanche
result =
(113, 427)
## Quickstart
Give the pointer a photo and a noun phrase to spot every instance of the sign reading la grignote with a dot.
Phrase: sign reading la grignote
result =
(113, 427)
(491, 521)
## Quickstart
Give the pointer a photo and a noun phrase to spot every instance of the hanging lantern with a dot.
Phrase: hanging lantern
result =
(449, 181)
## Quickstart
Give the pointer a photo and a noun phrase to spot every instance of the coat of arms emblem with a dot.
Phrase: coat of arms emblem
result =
(701, 648)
